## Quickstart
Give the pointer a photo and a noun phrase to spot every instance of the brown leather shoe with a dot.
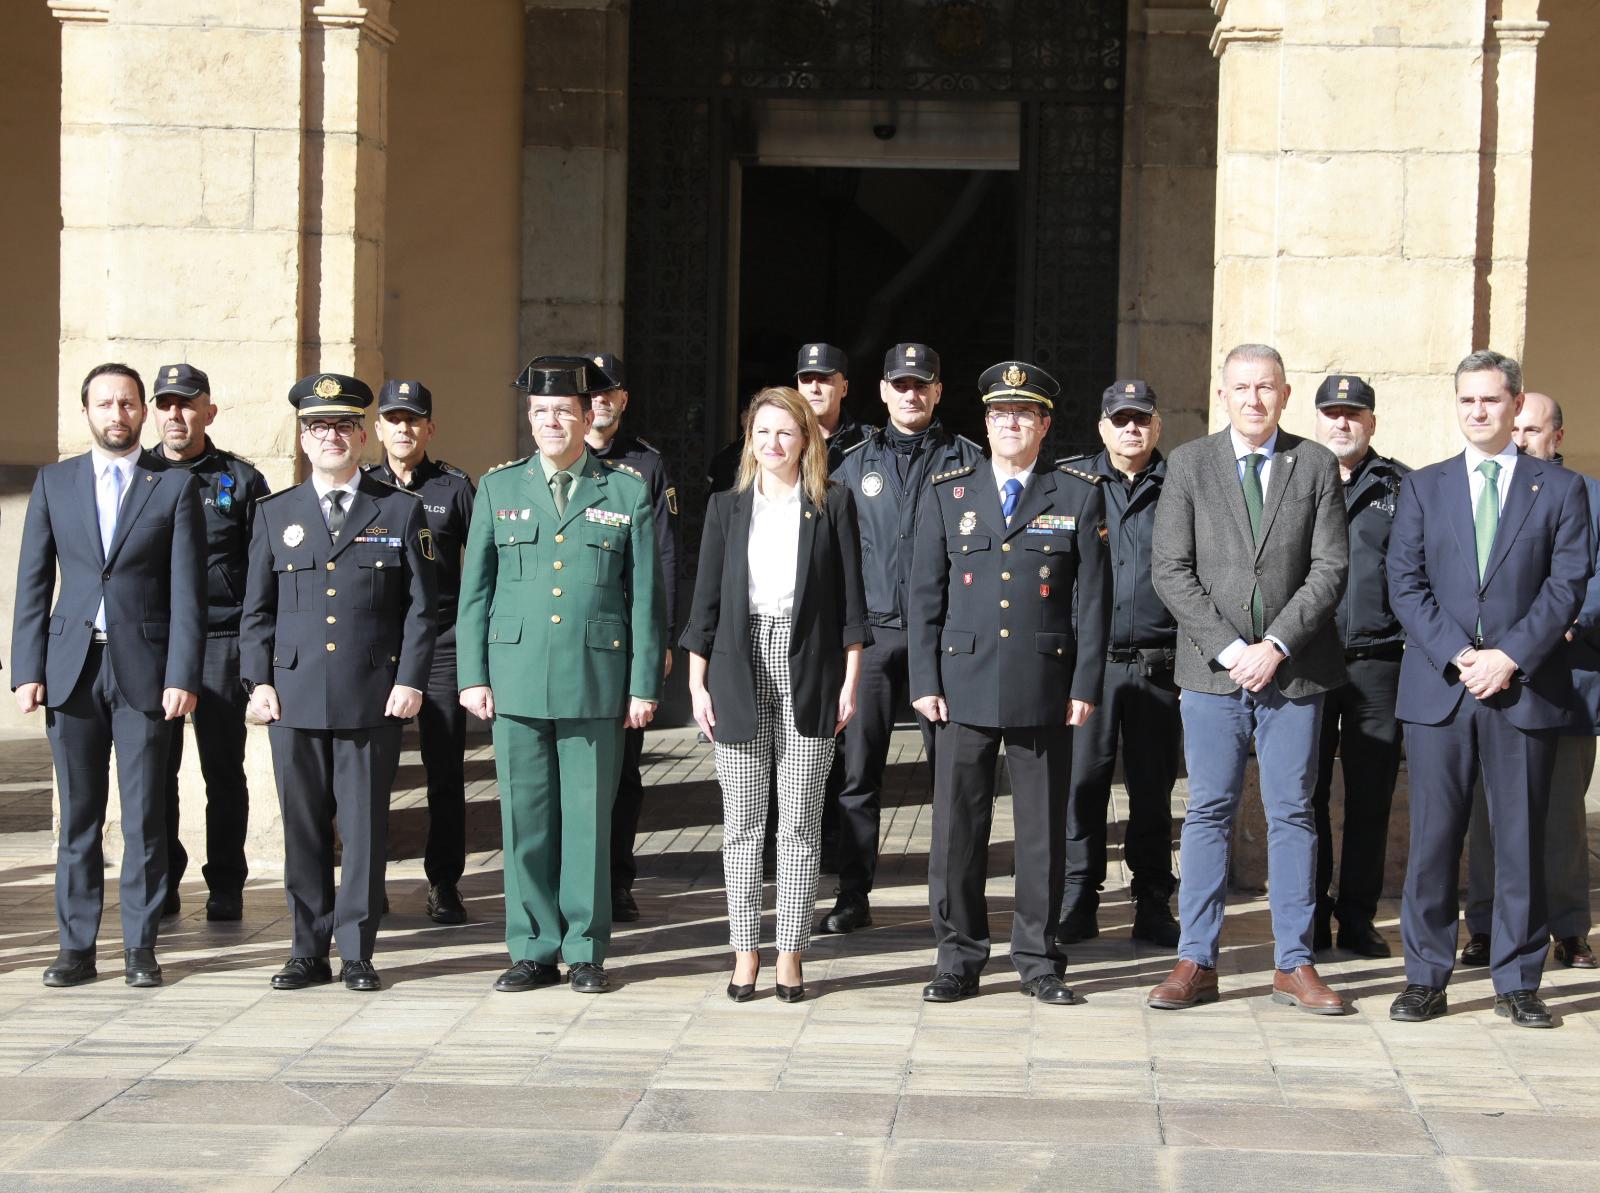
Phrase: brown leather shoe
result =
(1304, 989)
(1188, 985)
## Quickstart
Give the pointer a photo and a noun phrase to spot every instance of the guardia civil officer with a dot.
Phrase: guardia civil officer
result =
(821, 375)
(1358, 721)
(335, 647)
(560, 635)
(405, 428)
(1007, 621)
(609, 444)
(1139, 702)
(888, 471)
(114, 662)
(230, 487)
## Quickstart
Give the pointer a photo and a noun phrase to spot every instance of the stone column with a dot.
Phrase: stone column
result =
(574, 178)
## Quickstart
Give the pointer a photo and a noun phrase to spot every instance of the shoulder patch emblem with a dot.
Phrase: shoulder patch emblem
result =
(672, 501)
(1092, 477)
(451, 470)
(968, 470)
(425, 541)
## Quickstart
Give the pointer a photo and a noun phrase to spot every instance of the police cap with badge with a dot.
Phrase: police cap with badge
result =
(917, 361)
(330, 395)
(1343, 389)
(561, 377)
(1138, 396)
(1019, 381)
(609, 366)
(822, 359)
(183, 380)
(409, 397)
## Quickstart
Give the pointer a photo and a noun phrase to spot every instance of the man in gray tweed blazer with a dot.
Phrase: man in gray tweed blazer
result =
(1250, 555)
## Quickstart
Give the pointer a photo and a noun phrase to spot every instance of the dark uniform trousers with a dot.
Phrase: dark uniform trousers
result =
(442, 733)
(83, 731)
(1358, 722)
(328, 776)
(1143, 713)
(625, 811)
(219, 736)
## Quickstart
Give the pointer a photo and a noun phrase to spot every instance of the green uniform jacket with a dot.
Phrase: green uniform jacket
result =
(561, 616)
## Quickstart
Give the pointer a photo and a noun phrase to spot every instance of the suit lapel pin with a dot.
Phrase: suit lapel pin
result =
(808, 513)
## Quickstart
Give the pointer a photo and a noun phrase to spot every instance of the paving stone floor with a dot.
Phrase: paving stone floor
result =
(216, 1082)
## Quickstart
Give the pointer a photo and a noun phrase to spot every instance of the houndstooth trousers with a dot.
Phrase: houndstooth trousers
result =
(743, 769)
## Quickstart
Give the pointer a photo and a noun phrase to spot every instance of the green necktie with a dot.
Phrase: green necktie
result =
(1486, 518)
(558, 484)
(1253, 503)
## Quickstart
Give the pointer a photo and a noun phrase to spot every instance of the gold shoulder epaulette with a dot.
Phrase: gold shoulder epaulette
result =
(507, 464)
(619, 466)
(1093, 478)
(955, 472)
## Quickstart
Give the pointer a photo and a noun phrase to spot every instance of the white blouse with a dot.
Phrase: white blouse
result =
(774, 552)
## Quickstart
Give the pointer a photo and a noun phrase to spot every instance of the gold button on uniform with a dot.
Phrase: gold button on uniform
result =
(1005, 575)
(616, 642)
(556, 618)
(333, 592)
(561, 538)
(290, 568)
(1005, 546)
(332, 648)
(512, 539)
(380, 562)
(1005, 633)
(555, 592)
(557, 565)
(1005, 604)
(332, 619)
(330, 565)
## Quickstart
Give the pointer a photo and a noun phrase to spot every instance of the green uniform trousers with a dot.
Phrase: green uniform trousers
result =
(558, 779)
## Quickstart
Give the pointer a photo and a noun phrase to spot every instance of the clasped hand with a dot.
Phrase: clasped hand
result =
(1485, 672)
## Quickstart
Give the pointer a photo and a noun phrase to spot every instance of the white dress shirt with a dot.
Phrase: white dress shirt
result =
(1000, 480)
(774, 551)
(1241, 450)
(105, 462)
(323, 489)
(1507, 459)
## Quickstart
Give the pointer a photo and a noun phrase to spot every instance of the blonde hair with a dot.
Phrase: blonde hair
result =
(813, 457)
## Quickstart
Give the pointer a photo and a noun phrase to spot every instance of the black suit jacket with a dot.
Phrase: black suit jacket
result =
(830, 612)
(153, 581)
(1529, 595)
(334, 626)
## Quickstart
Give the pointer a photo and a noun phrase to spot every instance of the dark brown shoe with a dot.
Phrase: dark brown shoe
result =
(1302, 988)
(1188, 985)
(1575, 953)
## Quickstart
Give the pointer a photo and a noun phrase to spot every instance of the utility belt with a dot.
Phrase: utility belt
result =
(1153, 661)
(1390, 651)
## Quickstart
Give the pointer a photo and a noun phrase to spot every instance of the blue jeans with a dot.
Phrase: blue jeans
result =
(1216, 733)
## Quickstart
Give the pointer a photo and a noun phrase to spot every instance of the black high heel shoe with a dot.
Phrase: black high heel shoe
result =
(792, 993)
(744, 993)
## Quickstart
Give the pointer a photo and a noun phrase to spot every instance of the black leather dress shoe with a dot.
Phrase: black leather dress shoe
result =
(225, 907)
(588, 978)
(174, 903)
(1574, 952)
(848, 914)
(1418, 1004)
(527, 975)
(1363, 939)
(1476, 951)
(444, 904)
(301, 972)
(1050, 989)
(141, 968)
(624, 910)
(72, 967)
(1077, 923)
(359, 975)
(1153, 923)
(1524, 1008)
(949, 987)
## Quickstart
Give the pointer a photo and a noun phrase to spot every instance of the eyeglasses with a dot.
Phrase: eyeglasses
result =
(565, 414)
(1123, 417)
(344, 428)
(1023, 418)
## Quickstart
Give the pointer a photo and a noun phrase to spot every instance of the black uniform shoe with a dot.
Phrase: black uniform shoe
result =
(949, 987)
(1050, 989)
(359, 975)
(1153, 923)
(624, 910)
(527, 975)
(174, 903)
(301, 972)
(72, 967)
(848, 914)
(588, 978)
(1077, 924)
(444, 904)
(1418, 1004)
(1477, 950)
(1524, 1008)
(225, 908)
(1363, 939)
(141, 967)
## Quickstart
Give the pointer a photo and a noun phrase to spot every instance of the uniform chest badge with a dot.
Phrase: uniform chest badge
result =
(1044, 572)
(1044, 590)
(294, 534)
(872, 484)
(969, 522)
(608, 517)
(959, 492)
(966, 578)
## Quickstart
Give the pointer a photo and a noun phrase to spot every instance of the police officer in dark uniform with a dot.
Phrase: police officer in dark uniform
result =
(822, 376)
(888, 471)
(1139, 702)
(335, 646)
(1007, 620)
(1358, 720)
(230, 487)
(609, 443)
(405, 427)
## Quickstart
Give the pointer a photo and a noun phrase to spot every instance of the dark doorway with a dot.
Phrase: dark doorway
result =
(867, 258)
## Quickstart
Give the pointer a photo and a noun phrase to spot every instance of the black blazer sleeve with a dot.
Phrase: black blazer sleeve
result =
(700, 630)
(847, 547)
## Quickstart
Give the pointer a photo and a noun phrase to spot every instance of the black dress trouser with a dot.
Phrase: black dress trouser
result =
(625, 811)
(442, 734)
(219, 736)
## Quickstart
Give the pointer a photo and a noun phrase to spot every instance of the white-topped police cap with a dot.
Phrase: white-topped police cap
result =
(329, 395)
(821, 358)
(911, 360)
(411, 396)
(184, 380)
(1018, 381)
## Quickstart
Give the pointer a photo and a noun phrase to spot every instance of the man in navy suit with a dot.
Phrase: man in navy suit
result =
(1487, 564)
(118, 658)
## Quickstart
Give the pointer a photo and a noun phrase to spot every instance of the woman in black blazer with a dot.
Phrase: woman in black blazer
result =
(774, 641)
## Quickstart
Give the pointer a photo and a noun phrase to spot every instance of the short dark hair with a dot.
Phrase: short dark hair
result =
(1486, 359)
(116, 370)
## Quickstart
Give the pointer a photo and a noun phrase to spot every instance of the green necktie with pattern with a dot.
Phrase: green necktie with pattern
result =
(1254, 500)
